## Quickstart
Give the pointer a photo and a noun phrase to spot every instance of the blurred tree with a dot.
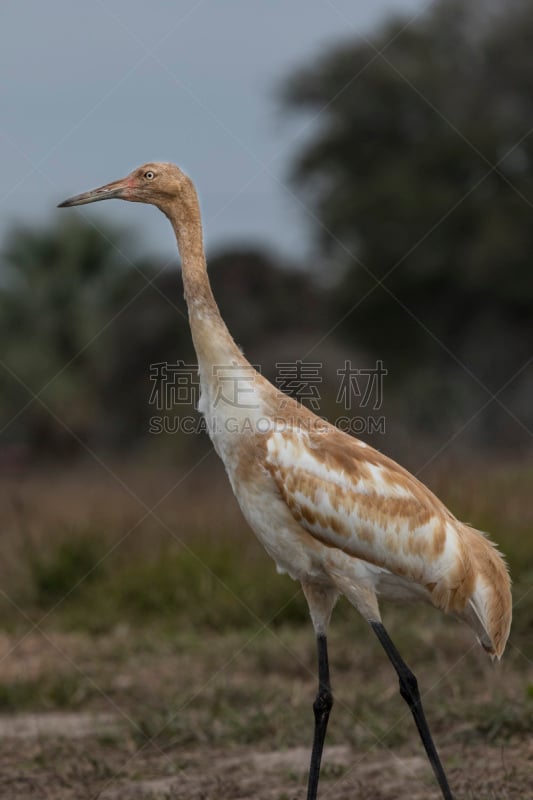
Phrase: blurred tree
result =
(53, 280)
(67, 335)
(420, 173)
(81, 326)
(261, 296)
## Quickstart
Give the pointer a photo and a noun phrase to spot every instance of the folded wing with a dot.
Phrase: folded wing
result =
(349, 496)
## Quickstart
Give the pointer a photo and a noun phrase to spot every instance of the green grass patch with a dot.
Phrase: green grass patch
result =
(73, 560)
(45, 693)
(205, 587)
(500, 722)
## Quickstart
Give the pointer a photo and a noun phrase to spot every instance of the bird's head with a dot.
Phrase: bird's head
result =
(158, 183)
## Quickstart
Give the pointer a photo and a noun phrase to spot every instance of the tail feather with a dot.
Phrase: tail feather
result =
(489, 609)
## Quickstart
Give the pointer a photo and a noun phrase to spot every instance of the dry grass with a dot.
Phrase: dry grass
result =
(159, 655)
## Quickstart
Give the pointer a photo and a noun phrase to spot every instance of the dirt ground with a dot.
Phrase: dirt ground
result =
(66, 756)
(125, 732)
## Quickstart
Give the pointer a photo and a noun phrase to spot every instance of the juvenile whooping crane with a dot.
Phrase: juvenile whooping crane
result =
(333, 513)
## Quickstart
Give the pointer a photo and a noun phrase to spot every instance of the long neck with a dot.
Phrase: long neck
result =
(212, 341)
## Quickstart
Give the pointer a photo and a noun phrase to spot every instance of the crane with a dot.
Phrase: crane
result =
(333, 512)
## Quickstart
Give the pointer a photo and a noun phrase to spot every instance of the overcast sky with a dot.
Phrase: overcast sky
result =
(92, 89)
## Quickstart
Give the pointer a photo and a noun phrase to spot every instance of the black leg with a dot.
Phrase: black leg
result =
(409, 692)
(321, 707)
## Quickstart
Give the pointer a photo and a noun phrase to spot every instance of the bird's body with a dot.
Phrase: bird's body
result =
(331, 511)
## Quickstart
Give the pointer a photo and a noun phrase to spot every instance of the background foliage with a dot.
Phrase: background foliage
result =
(420, 178)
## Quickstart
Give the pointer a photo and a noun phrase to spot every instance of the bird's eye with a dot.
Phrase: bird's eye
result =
(149, 175)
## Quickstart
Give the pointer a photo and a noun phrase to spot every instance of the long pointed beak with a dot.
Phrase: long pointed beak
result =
(107, 192)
